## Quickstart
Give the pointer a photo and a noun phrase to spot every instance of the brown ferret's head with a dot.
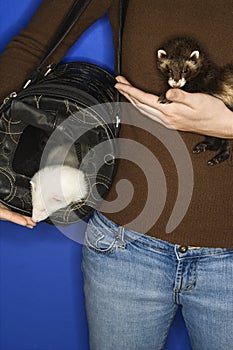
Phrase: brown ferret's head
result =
(179, 60)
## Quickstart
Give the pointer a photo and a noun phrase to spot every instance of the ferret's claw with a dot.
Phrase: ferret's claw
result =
(219, 158)
(200, 147)
(163, 99)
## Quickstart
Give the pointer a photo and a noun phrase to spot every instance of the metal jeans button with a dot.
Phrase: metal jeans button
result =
(183, 249)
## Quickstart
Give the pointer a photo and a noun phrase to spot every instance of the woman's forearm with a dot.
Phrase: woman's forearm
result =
(27, 49)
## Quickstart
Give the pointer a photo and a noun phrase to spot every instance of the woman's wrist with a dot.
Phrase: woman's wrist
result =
(229, 124)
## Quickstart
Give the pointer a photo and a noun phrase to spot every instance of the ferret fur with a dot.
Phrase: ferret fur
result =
(57, 185)
(185, 65)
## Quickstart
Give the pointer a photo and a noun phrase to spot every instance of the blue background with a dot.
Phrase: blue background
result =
(41, 286)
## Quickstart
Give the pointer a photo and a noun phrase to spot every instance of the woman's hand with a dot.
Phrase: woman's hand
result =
(194, 112)
(6, 214)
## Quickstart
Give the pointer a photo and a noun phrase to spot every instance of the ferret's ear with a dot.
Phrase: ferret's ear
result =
(161, 54)
(195, 55)
(33, 185)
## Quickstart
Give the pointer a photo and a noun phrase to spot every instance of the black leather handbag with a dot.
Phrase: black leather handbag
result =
(79, 92)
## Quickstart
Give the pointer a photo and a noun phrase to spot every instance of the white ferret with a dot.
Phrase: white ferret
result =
(57, 185)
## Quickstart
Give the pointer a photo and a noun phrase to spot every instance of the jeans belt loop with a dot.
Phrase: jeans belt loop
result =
(120, 237)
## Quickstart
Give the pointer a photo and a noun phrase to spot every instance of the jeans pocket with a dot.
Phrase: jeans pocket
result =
(101, 240)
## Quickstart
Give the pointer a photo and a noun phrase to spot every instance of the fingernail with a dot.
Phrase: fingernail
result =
(30, 226)
(117, 87)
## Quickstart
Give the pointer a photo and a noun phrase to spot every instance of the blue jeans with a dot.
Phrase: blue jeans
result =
(134, 283)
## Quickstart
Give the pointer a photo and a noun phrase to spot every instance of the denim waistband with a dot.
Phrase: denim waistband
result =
(106, 224)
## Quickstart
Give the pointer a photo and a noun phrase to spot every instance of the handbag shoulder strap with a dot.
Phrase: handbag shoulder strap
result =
(122, 15)
(75, 12)
(73, 15)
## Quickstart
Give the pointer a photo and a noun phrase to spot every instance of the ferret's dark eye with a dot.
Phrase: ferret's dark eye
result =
(168, 69)
(185, 70)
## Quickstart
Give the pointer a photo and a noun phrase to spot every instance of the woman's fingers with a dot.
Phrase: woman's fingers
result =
(143, 101)
(8, 215)
(126, 89)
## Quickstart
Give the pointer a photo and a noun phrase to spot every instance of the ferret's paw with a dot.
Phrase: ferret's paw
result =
(200, 147)
(219, 158)
(39, 215)
(163, 99)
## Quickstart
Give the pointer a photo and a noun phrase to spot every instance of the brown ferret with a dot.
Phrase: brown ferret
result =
(185, 65)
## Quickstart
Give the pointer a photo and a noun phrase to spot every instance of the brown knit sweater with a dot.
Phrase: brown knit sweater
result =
(161, 179)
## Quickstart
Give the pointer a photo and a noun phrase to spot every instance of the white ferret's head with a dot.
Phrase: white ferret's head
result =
(55, 187)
